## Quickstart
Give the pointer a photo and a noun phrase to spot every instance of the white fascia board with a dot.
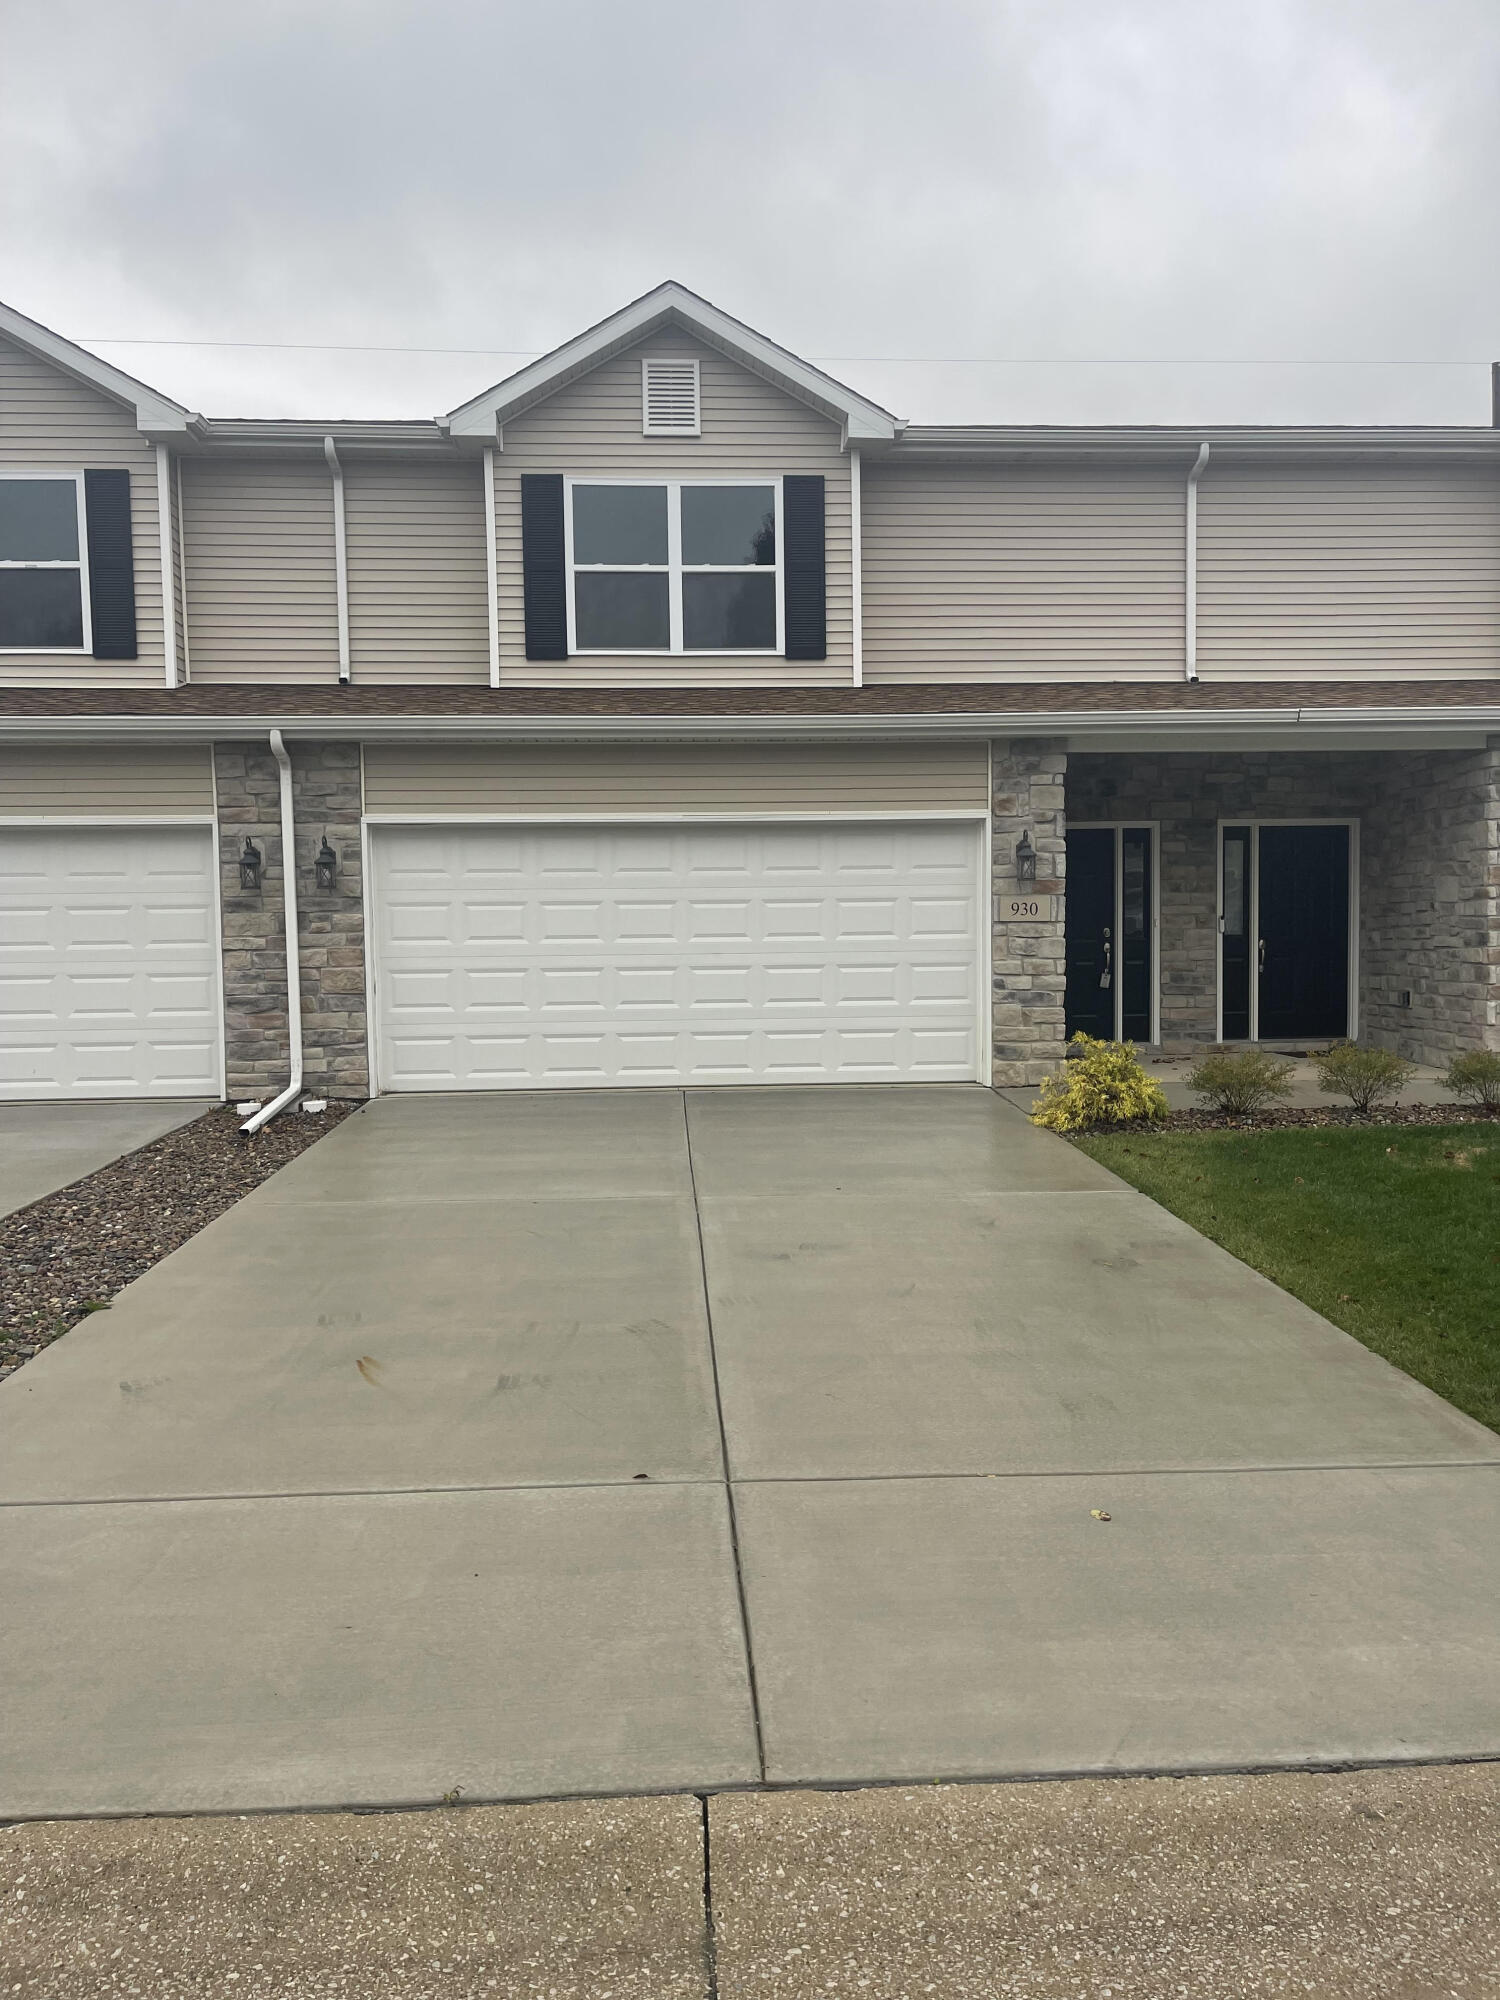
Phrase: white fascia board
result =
(862, 420)
(154, 414)
(1291, 728)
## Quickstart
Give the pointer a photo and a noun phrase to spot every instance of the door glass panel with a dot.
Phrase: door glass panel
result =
(1136, 941)
(1236, 882)
(1236, 928)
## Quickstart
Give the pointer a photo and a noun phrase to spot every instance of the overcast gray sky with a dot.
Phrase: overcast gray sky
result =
(905, 193)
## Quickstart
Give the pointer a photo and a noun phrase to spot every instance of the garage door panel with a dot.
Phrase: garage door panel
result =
(108, 962)
(777, 952)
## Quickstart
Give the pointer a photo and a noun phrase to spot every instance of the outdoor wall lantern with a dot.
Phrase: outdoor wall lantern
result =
(1025, 858)
(250, 867)
(325, 866)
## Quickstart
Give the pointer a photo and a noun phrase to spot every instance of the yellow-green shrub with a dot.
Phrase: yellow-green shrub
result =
(1105, 1085)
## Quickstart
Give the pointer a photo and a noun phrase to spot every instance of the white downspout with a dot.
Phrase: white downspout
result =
(168, 577)
(340, 555)
(856, 568)
(1190, 594)
(293, 956)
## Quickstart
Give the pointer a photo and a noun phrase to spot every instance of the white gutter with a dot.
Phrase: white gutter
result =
(1190, 592)
(293, 956)
(717, 728)
(340, 555)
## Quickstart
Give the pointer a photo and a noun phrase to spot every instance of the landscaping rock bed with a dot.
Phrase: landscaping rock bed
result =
(69, 1253)
(1314, 1115)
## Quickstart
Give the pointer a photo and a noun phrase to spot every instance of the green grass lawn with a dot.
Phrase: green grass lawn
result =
(1392, 1232)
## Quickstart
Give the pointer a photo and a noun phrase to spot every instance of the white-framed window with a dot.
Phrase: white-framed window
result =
(674, 566)
(44, 572)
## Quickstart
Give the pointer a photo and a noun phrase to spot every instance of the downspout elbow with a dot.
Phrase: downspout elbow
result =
(1190, 593)
(293, 954)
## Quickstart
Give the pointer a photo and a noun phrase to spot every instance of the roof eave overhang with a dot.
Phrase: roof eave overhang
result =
(484, 417)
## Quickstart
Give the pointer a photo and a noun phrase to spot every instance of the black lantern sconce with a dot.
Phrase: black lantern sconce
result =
(250, 868)
(1025, 858)
(325, 866)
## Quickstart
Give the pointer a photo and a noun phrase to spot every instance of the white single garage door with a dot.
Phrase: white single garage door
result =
(109, 978)
(511, 957)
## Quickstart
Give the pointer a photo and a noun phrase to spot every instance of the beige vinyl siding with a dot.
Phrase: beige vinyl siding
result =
(749, 428)
(262, 589)
(47, 419)
(558, 780)
(1347, 569)
(418, 603)
(1012, 573)
(154, 781)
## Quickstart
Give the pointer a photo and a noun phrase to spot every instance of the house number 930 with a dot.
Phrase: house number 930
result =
(1028, 906)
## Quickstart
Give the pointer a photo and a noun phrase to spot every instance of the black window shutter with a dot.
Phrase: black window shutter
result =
(106, 506)
(806, 584)
(544, 566)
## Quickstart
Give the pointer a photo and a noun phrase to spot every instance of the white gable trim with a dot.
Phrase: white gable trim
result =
(671, 305)
(153, 413)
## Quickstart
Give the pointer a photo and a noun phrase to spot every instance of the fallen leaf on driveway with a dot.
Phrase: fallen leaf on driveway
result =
(1098, 1514)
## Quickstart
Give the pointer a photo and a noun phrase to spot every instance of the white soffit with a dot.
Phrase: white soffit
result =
(672, 305)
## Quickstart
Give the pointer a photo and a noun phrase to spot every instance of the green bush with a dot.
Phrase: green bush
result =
(1103, 1085)
(1364, 1076)
(1476, 1077)
(1237, 1084)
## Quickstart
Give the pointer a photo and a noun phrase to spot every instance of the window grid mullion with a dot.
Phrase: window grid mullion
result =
(674, 565)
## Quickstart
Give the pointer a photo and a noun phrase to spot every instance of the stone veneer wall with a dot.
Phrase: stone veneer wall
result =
(1029, 968)
(1430, 904)
(1429, 916)
(325, 797)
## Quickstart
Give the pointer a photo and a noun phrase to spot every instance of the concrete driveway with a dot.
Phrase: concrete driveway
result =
(599, 1442)
(44, 1147)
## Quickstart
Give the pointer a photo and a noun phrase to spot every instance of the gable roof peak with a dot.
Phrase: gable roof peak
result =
(672, 304)
(153, 412)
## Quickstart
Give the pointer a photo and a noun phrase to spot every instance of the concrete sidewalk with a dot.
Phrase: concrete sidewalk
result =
(1349, 1886)
(44, 1147)
(599, 1442)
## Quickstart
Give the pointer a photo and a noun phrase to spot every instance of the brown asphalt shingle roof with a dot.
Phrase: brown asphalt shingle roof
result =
(349, 703)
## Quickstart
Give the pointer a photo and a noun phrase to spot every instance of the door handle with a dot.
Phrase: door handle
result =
(1260, 956)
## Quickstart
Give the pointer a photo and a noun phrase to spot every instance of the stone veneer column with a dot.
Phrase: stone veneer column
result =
(326, 798)
(1029, 971)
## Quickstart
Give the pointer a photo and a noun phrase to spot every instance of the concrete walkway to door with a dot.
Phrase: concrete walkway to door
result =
(609, 1441)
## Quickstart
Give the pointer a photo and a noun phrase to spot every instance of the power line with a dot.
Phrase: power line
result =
(842, 360)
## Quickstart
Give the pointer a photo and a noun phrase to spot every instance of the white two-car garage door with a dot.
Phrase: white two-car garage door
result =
(109, 983)
(512, 956)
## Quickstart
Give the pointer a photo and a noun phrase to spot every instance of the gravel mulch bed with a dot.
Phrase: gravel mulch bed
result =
(1310, 1115)
(69, 1253)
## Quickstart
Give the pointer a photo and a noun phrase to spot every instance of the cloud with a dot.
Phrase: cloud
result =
(1260, 179)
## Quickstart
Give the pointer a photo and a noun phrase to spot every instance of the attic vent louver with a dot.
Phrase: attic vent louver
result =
(669, 396)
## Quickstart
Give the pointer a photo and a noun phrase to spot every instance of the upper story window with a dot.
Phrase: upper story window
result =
(44, 603)
(674, 566)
